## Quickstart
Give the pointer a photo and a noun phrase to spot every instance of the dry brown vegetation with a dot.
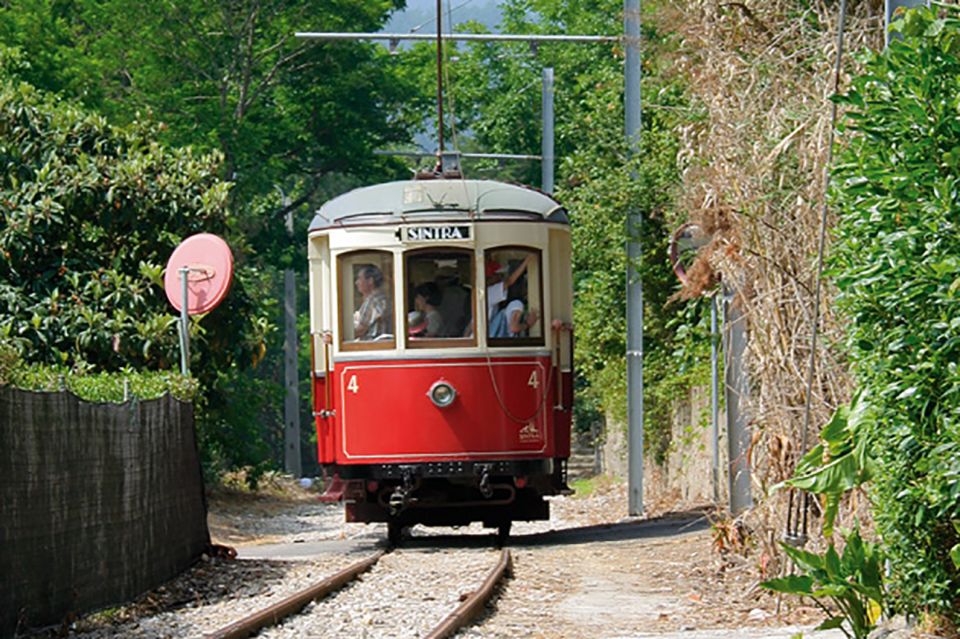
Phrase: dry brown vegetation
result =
(762, 74)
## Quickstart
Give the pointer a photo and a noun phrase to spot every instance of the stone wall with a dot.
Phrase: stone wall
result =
(684, 479)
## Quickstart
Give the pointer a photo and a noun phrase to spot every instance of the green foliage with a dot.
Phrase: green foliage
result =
(90, 386)
(92, 212)
(841, 461)
(895, 261)
(228, 76)
(852, 581)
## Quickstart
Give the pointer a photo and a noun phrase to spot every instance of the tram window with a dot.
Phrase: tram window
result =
(366, 299)
(514, 306)
(439, 298)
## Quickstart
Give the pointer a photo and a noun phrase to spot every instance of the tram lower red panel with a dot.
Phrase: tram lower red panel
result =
(382, 412)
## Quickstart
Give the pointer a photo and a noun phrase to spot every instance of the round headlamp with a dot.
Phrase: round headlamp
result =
(442, 394)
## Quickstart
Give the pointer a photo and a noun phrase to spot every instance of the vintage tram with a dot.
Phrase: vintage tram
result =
(442, 346)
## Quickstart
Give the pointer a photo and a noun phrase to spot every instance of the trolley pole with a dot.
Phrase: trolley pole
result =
(632, 113)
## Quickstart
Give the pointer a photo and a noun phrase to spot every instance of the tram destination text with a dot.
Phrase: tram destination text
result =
(437, 233)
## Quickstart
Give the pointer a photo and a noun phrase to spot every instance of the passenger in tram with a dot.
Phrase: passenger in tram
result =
(499, 279)
(511, 318)
(373, 318)
(426, 300)
(454, 305)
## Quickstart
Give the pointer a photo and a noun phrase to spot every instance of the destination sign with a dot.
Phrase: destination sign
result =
(437, 233)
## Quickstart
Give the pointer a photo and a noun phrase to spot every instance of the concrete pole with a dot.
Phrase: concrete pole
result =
(736, 388)
(546, 153)
(890, 6)
(291, 402)
(631, 30)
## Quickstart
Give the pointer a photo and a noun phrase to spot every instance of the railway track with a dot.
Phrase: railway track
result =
(349, 597)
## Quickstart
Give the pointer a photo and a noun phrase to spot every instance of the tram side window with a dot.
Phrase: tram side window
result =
(366, 299)
(439, 297)
(513, 296)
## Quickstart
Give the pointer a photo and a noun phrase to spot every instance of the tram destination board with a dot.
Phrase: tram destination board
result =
(446, 233)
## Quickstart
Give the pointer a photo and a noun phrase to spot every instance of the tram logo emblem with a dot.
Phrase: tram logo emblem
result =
(529, 433)
(437, 233)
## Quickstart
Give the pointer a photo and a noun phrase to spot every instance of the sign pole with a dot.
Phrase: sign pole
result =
(184, 324)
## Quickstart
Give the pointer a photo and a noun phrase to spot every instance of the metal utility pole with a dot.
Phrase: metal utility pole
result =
(714, 401)
(890, 6)
(546, 166)
(631, 31)
(291, 401)
(439, 77)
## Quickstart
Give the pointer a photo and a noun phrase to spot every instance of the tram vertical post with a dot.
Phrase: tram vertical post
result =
(546, 163)
(291, 401)
(632, 117)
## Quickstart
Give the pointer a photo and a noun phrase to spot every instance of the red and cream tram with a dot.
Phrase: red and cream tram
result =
(440, 314)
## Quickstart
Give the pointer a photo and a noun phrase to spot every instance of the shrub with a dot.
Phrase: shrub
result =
(92, 387)
(897, 265)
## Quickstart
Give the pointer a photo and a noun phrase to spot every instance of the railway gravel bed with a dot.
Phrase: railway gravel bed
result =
(615, 578)
(212, 594)
(403, 597)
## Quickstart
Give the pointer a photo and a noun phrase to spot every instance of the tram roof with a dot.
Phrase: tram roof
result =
(437, 200)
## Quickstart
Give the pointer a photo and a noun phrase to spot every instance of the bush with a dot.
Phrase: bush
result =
(92, 387)
(897, 264)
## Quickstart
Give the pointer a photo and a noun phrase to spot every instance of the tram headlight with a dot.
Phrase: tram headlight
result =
(442, 394)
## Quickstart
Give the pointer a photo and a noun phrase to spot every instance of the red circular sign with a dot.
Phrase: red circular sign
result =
(210, 265)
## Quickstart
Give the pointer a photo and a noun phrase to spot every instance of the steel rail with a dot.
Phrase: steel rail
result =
(472, 605)
(272, 615)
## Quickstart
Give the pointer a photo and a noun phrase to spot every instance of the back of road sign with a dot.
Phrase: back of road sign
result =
(210, 265)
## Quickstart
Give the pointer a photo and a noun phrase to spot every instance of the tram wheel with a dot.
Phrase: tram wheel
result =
(394, 533)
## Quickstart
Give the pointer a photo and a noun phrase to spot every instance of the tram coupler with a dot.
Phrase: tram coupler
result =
(400, 497)
(485, 488)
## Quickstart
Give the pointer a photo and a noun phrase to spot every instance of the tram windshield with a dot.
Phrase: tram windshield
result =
(439, 298)
(514, 307)
(366, 299)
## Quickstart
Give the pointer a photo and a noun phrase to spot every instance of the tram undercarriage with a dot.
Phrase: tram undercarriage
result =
(495, 493)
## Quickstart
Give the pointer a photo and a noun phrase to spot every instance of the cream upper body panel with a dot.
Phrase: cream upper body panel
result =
(399, 219)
